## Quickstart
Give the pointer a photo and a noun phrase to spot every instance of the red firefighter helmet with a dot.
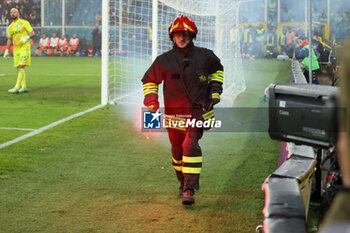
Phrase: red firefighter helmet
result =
(183, 23)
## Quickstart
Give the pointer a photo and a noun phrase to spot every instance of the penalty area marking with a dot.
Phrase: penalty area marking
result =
(2, 75)
(42, 129)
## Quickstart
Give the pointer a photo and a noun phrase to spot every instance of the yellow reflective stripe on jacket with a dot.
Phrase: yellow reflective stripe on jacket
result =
(217, 76)
(208, 115)
(149, 88)
(178, 168)
(192, 159)
(177, 161)
(191, 170)
(215, 95)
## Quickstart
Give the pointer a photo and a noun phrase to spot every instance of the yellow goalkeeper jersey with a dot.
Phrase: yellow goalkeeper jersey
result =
(16, 31)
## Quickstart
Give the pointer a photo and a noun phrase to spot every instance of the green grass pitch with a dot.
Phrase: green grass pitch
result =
(96, 173)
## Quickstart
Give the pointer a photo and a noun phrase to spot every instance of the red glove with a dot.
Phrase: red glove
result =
(152, 104)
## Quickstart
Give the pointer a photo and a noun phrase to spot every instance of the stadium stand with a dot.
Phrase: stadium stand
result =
(28, 9)
(83, 10)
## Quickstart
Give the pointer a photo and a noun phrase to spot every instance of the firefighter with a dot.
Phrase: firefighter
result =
(192, 83)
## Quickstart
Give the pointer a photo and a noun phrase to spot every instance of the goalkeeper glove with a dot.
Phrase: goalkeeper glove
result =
(6, 54)
(24, 39)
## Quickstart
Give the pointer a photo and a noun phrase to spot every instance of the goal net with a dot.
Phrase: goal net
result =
(138, 32)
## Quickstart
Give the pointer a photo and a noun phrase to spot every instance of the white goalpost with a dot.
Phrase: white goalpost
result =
(135, 32)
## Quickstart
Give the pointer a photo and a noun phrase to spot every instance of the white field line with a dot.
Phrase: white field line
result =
(54, 74)
(37, 131)
(8, 128)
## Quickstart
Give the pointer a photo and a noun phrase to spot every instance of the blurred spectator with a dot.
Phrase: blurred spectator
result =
(4, 7)
(323, 17)
(37, 4)
(125, 14)
(23, 11)
(302, 53)
(43, 45)
(282, 42)
(53, 45)
(137, 19)
(34, 17)
(260, 40)
(344, 22)
(346, 17)
(96, 40)
(4, 21)
(3, 42)
(113, 17)
(289, 42)
(286, 14)
(25, 7)
(83, 45)
(234, 35)
(248, 39)
(12, 4)
(317, 45)
(299, 31)
(73, 45)
(272, 10)
(271, 43)
(99, 18)
(7, 13)
(28, 4)
(63, 45)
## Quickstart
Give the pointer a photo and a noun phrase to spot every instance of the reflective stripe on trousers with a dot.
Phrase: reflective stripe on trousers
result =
(187, 156)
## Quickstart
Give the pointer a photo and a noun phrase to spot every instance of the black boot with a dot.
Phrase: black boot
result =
(187, 197)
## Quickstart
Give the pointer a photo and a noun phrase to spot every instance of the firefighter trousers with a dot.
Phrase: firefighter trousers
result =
(187, 156)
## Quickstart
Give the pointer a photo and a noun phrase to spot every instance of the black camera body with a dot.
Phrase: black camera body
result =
(304, 114)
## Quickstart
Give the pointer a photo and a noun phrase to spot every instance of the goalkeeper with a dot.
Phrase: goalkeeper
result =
(19, 34)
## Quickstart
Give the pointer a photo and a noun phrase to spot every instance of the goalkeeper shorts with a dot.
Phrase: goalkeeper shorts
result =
(21, 57)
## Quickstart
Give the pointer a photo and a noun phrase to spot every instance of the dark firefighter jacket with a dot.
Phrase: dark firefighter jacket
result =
(188, 80)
